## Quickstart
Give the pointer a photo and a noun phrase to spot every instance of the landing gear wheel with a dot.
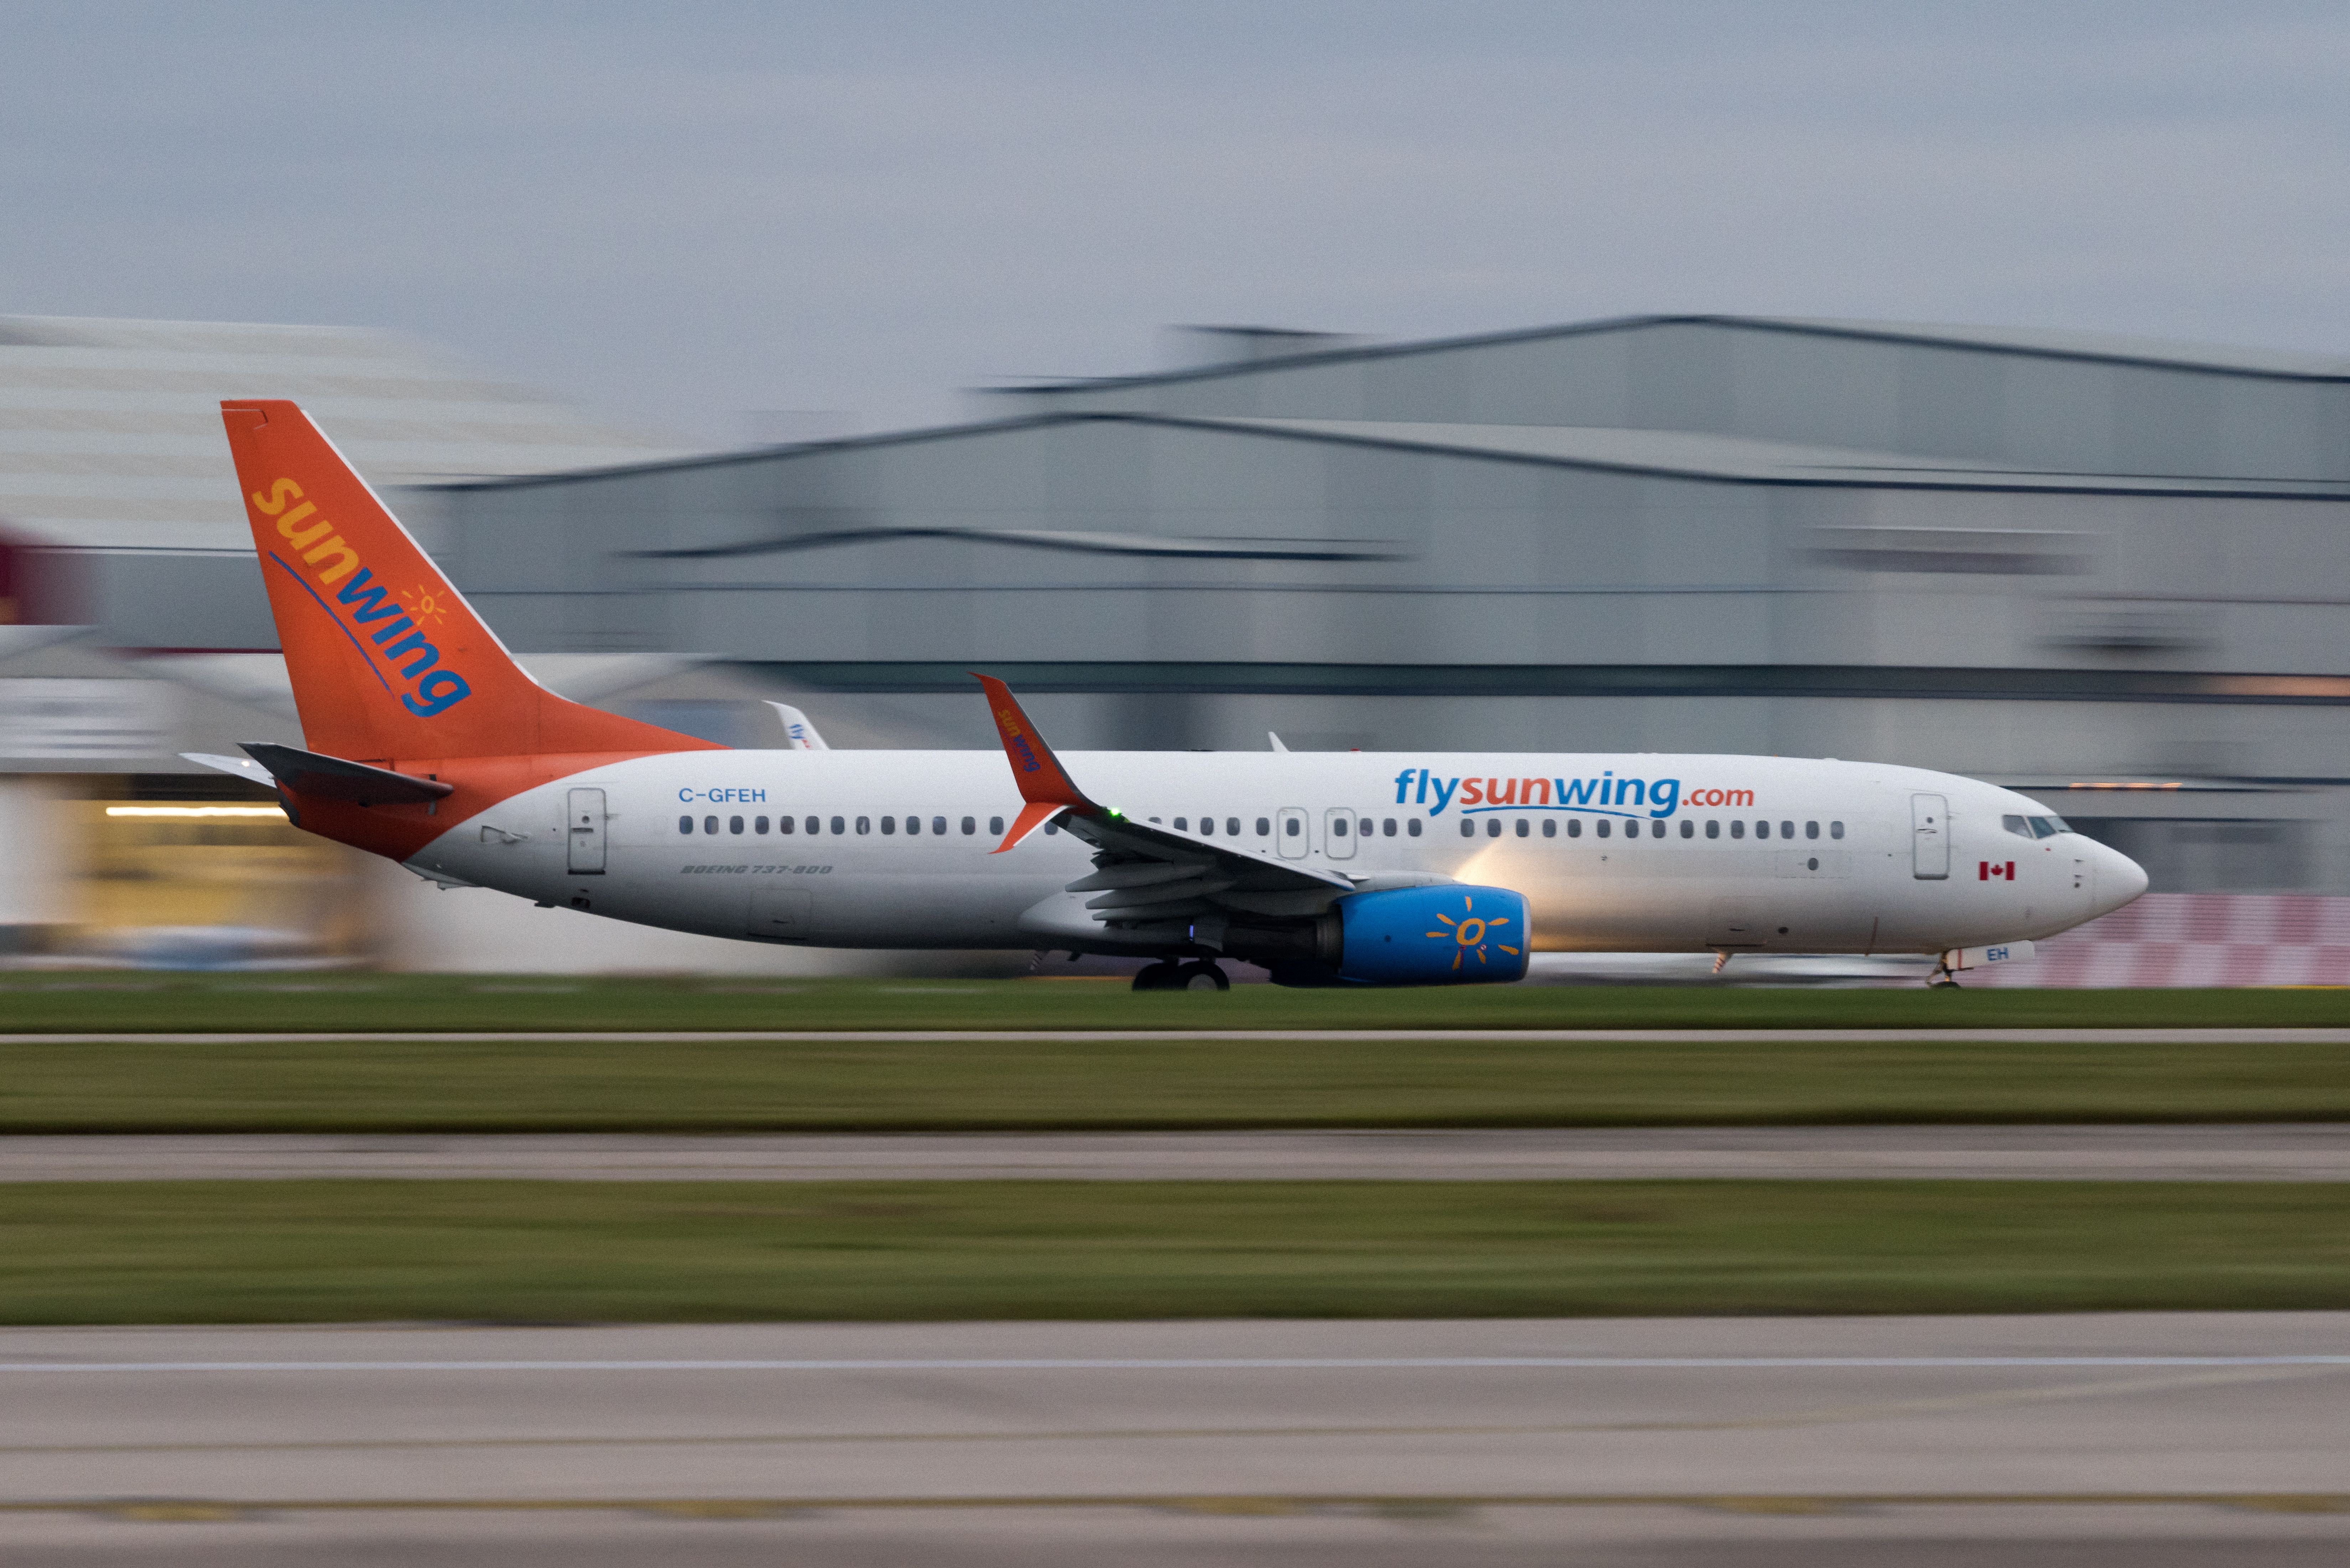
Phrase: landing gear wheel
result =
(1158, 977)
(1942, 979)
(1200, 976)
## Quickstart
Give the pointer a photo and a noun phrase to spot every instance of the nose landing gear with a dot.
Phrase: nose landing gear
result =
(1199, 975)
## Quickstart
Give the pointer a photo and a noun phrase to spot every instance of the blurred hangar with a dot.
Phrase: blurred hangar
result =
(2107, 571)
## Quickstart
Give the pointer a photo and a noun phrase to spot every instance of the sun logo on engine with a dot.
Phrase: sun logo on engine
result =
(1473, 932)
(424, 605)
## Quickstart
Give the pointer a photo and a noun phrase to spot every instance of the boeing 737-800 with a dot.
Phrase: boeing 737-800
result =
(425, 741)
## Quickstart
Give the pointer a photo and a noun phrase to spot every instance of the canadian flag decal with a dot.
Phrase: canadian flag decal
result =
(1987, 869)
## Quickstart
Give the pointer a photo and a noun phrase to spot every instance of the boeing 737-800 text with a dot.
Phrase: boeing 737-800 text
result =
(426, 742)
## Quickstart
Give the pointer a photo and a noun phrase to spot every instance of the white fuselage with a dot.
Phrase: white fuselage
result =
(1765, 853)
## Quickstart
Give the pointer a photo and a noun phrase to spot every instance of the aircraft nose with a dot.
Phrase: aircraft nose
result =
(2120, 879)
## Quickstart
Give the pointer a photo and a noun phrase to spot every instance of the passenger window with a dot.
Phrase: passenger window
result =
(1656, 830)
(1713, 828)
(969, 827)
(1468, 828)
(1232, 826)
(889, 824)
(1182, 824)
(1786, 830)
(1550, 827)
(784, 824)
(1600, 827)
(939, 826)
(1263, 826)
(1737, 828)
(1524, 828)
(1574, 827)
(1762, 830)
(1811, 830)
(1051, 829)
(1836, 830)
(913, 825)
(1688, 829)
(1337, 826)
(733, 824)
(1412, 827)
(759, 825)
(864, 825)
(708, 825)
(1493, 828)
(994, 824)
(1366, 827)
(685, 824)
(1207, 828)
(1292, 828)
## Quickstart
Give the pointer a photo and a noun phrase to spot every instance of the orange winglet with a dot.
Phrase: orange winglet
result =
(1044, 784)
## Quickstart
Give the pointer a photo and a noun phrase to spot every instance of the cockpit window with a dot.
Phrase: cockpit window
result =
(2016, 826)
(2048, 827)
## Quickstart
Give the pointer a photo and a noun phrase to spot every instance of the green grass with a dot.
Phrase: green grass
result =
(545, 1086)
(663, 1252)
(40, 1002)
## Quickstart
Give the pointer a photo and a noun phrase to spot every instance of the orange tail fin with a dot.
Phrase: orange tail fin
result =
(388, 660)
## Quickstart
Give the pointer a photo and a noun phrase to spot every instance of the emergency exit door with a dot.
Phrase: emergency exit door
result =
(1339, 832)
(1290, 838)
(585, 835)
(1929, 836)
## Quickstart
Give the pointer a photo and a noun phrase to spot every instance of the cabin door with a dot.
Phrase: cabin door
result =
(1929, 837)
(585, 838)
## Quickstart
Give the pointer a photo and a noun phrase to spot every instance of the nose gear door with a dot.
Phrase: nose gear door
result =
(1929, 837)
(584, 832)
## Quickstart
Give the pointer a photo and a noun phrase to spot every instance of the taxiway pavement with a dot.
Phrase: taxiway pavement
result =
(2259, 1152)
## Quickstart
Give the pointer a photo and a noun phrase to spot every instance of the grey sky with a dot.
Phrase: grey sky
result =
(679, 212)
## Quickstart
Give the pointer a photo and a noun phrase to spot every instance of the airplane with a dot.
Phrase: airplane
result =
(425, 741)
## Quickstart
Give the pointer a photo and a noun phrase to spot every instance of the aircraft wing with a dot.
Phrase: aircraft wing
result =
(1149, 882)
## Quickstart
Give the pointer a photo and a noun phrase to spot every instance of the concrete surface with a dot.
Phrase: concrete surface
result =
(2090, 1440)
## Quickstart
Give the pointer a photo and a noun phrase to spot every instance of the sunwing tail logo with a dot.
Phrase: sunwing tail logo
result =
(386, 625)
(1472, 933)
(1607, 796)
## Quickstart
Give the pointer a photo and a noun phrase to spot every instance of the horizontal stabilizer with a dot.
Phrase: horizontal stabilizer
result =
(333, 778)
(242, 767)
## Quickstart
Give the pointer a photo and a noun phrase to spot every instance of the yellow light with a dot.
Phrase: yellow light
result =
(188, 813)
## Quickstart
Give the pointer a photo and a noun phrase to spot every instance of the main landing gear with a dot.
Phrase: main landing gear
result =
(1943, 979)
(1201, 975)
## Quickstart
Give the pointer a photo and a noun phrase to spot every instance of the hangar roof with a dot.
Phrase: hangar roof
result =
(2115, 348)
(1679, 455)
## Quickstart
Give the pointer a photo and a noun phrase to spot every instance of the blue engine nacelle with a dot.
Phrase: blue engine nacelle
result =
(1448, 935)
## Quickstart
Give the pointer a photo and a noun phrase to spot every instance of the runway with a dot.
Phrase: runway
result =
(2281, 1152)
(1111, 1036)
(2158, 1439)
